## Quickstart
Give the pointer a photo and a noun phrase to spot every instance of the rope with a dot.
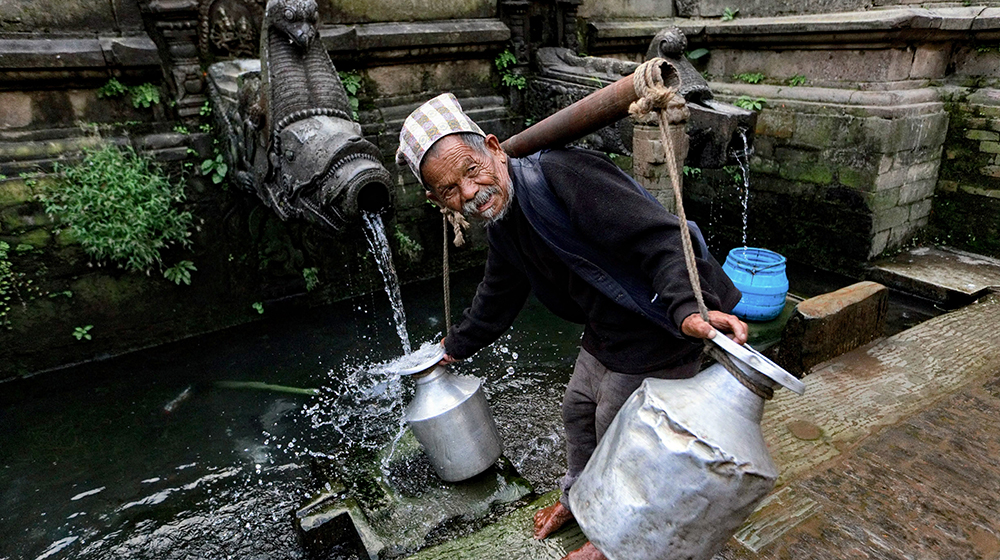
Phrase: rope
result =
(458, 224)
(670, 108)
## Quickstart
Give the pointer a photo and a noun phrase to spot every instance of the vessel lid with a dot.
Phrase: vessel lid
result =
(759, 363)
(425, 358)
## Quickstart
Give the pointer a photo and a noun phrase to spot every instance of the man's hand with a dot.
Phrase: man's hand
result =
(730, 325)
(446, 359)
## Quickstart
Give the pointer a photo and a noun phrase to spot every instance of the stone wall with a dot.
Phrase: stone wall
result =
(852, 126)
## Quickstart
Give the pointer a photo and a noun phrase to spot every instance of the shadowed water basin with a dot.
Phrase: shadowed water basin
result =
(149, 456)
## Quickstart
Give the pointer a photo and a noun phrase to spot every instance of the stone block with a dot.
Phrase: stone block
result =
(930, 61)
(890, 180)
(879, 242)
(829, 325)
(776, 124)
(923, 171)
(15, 191)
(947, 186)
(920, 210)
(917, 190)
(809, 172)
(15, 110)
(855, 178)
(989, 147)
(975, 134)
(890, 218)
(900, 234)
(36, 238)
(882, 200)
(819, 131)
(990, 171)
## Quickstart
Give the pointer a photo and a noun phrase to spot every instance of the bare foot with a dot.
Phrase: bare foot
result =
(586, 552)
(549, 520)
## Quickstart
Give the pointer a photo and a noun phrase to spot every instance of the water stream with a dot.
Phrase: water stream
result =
(743, 158)
(379, 245)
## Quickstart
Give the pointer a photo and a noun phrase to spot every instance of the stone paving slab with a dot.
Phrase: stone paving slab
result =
(891, 453)
(939, 273)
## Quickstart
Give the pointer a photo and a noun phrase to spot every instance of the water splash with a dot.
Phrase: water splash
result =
(743, 158)
(379, 245)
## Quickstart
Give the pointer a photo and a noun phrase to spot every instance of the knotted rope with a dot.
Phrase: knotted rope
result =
(670, 108)
(458, 224)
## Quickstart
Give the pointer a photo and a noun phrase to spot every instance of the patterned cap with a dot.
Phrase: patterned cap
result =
(426, 125)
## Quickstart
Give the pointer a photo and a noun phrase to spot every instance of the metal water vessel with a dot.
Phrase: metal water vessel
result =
(682, 465)
(451, 419)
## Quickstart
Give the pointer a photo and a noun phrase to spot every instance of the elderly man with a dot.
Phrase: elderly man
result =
(594, 247)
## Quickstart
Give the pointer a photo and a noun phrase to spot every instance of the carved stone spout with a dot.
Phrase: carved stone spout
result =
(292, 138)
(714, 127)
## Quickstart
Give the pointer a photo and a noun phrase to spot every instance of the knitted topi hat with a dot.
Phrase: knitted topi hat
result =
(426, 125)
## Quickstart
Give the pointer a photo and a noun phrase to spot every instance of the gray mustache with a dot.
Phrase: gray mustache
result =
(472, 206)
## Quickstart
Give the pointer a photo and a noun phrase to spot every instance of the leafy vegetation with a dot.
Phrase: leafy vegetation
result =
(215, 168)
(352, 84)
(81, 333)
(408, 248)
(143, 95)
(311, 276)
(750, 103)
(121, 208)
(692, 171)
(258, 307)
(797, 80)
(180, 273)
(729, 14)
(205, 110)
(697, 53)
(749, 77)
(505, 63)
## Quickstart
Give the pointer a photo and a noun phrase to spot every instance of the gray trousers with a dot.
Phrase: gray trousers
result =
(593, 397)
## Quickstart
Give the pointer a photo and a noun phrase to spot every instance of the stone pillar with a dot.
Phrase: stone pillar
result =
(176, 33)
(649, 166)
(567, 13)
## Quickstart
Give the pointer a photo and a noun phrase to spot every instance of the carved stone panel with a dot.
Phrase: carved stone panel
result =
(230, 28)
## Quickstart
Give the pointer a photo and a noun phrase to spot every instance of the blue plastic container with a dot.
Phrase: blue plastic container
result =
(760, 275)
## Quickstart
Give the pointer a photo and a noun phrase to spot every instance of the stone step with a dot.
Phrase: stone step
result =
(942, 274)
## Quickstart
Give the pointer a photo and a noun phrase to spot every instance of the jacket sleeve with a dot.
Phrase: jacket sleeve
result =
(606, 210)
(499, 298)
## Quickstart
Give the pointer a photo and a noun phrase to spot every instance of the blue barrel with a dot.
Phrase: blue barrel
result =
(760, 275)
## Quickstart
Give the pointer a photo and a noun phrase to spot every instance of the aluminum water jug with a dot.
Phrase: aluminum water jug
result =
(682, 465)
(451, 419)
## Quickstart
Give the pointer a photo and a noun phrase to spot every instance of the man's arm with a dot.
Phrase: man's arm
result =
(606, 209)
(499, 298)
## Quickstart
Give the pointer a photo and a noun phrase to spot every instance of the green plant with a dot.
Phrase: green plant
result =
(729, 14)
(205, 127)
(797, 80)
(352, 84)
(217, 168)
(311, 276)
(113, 88)
(180, 129)
(145, 95)
(121, 208)
(258, 306)
(408, 248)
(81, 333)
(697, 53)
(12, 284)
(750, 103)
(180, 273)
(692, 171)
(750, 77)
(735, 174)
(24, 248)
(206, 109)
(505, 63)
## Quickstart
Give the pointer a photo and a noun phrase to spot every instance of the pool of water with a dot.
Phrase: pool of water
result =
(147, 456)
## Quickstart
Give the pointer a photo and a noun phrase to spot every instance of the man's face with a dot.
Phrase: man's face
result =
(463, 179)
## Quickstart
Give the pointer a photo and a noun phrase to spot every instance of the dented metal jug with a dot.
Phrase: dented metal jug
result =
(682, 465)
(451, 419)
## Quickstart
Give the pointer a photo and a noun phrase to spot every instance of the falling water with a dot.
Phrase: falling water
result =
(743, 157)
(379, 245)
